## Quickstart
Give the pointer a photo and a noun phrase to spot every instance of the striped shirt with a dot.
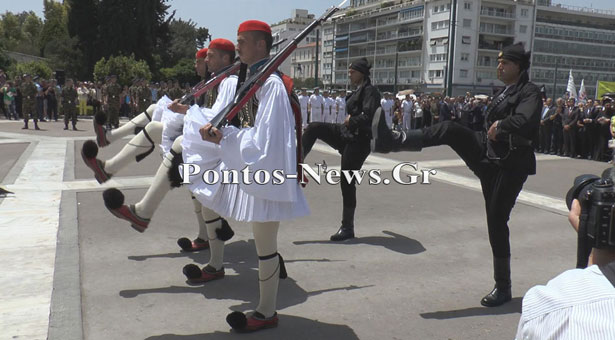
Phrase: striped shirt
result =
(577, 304)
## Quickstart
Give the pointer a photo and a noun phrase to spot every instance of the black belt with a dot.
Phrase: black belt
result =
(518, 141)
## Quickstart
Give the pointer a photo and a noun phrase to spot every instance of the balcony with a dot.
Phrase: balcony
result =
(496, 30)
(497, 14)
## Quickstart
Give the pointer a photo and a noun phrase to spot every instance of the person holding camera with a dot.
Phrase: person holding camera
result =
(579, 303)
(501, 155)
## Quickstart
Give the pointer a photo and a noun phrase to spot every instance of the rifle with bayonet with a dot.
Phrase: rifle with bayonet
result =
(256, 81)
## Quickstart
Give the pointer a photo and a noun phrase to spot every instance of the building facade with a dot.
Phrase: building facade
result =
(413, 43)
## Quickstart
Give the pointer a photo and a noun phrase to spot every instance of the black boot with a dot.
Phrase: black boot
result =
(36, 125)
(346, 231)
(65, 126)
(501, 293)
(25, 126)
(409, 141)
(74, 126)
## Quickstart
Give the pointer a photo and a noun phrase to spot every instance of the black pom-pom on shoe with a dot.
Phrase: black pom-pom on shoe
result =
(89, 149)
(192, 271)
(184, 243)
(114, 199)
(100, 118)
(237, 320)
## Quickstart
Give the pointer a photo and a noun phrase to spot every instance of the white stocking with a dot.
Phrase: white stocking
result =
(129, 128)
(199, 217)
(266, 240)
(139, 144)
(160, 186)
(216, 246)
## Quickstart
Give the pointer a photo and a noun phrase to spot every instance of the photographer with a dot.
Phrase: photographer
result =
(577, 304)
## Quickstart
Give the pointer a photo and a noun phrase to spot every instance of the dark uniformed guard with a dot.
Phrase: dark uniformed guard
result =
(176, 91)
(113, 101)
(69, 99)
(351, 139)
(28, 92)
(501, 155)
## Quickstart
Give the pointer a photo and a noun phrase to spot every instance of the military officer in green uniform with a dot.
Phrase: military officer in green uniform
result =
(144, 96)
(28, 92)
(176, 91)
(113, 101)
(69, 98)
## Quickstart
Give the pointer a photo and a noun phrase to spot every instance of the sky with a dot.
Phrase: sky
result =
(223, 17)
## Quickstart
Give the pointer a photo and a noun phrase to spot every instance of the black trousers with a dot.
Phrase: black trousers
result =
(545, 137)
(570, 142)
(500, 186)
(353, 153)
(558, 143)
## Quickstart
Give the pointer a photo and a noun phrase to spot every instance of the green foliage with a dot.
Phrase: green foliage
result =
(20, 32)
(307, 83)
(387, 4)
(125, 68)
(182, 71)
(185, 40)
(54, 28)
(34, 68)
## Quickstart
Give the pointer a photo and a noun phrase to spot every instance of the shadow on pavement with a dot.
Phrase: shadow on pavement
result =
(398, 243)
(290, 327)
(243, 286)
(514, 306)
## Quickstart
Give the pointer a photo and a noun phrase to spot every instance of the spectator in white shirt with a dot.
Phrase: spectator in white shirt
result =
(329, 108)
(316, 106)
(578, 304)
(406, 108)
(340, 102)
(303, 103)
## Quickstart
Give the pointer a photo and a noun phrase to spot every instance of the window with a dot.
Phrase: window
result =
(524, 12)
(465, 56)
(435, 73)
(467, 6)
(438, 25)
(523, 29)
(442, 8)
(438, 57)
(463, 73)
(466, 39)
(467, 23)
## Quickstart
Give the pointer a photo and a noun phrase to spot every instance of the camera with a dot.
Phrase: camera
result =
(597, 221)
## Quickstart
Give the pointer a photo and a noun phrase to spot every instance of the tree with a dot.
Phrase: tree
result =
(33, 68)
(125, 68)
(183, 71)
(134, 27)
(82, 25)
(55, 26)
(185, 40)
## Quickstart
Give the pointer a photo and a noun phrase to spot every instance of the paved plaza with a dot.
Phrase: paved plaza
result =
(418, 268)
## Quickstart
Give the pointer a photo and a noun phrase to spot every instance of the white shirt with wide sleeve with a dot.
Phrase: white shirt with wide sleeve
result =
(203, 153)
(578, 304)
(269, 145)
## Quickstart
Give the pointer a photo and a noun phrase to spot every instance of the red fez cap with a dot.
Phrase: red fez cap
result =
(254, 25)
(202, 53)
(222, 44)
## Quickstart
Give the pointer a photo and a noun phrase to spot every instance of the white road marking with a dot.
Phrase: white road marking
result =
(378, 162)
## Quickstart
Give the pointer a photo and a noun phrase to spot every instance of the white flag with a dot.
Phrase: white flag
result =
(572, 90)
(582, 94)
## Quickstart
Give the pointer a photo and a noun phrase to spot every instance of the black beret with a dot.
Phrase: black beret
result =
(517, 54)
(361, 65)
